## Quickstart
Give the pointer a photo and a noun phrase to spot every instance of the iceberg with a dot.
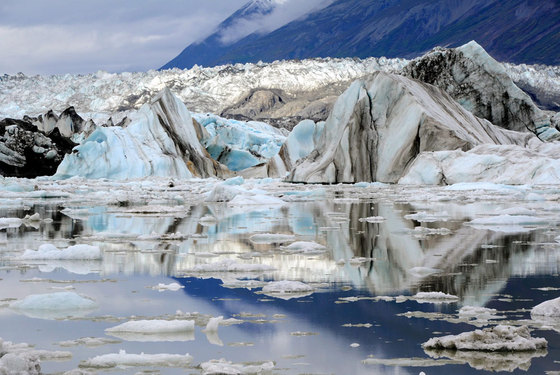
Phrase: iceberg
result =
(239, 144)
(161, 140)
(379, 126)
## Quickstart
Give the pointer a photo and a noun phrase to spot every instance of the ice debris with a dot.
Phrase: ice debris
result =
(498, 338)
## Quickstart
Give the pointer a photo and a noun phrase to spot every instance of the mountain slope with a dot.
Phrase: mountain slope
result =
(519, 31)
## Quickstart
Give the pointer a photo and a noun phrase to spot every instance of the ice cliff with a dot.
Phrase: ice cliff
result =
(161, 140)
(379, 126)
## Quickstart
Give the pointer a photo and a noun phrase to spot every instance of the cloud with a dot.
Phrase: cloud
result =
(68, 36)
(283, 12)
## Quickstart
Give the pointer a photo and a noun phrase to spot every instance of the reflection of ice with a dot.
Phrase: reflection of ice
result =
(211, 330)
(490, 361)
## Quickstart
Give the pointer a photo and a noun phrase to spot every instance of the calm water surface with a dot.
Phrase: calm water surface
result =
(384, 263)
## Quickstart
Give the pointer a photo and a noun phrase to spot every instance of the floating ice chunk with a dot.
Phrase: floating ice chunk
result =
(89, 342)
(498, 338)
(372, 219)
(34, 217)
(172, 287)
(54, 305)
(507, 223)
(354, 345)
(307, 247)
(234, 181)
(223, 367)
(124, 359)
(213, 323)
(509, 220)
(76, 252)
(153, 326)
(479, 313)
(269, 238)
(154, 330)
(434, 297)
(255, 199)
(211, 330)
(425, 217)
(10, 222)
(466, 186)
(517, 211)
(550, 308)
(286, 289)
(229, 265)
(19, 363)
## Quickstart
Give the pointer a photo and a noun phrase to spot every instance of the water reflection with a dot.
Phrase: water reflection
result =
(396, 255)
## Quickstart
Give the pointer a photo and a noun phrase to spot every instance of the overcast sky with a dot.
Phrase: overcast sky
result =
(83, 36)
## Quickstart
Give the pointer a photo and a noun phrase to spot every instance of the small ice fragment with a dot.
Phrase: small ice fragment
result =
(354, 345)
(172, 287)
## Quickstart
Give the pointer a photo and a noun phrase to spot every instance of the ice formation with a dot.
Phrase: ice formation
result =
(98, 95)
(122, 358)
(377, 127)
(54, 305)
(437, 297)
(161, 140)
(221, 366)
(172, 286)
(482, 85)
(153, 326)
(238, 144)
(498, 338)
(287, 289)
(550, 308)
(538, 163)
(51, 252)
(23, 359)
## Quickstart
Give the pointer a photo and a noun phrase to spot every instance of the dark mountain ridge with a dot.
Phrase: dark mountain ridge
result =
(518, 31)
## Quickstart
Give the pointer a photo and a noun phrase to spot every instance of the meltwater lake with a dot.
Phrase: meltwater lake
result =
(361, 264)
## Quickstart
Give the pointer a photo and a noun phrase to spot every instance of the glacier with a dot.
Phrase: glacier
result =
(384, 127)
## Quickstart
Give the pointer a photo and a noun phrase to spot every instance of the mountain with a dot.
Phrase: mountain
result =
(519, 31)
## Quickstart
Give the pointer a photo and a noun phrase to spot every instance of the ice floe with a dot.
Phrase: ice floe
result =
(286, 289)
(498, 338)
(224, 367)
(154, 330)
(122, 358)
(434, 297)
(54, 305)
(51, 252)
(172, 287)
